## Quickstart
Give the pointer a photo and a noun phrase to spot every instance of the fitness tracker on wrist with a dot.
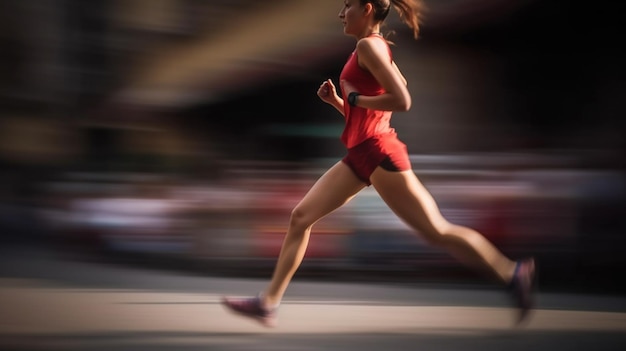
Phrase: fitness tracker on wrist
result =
(352, 97)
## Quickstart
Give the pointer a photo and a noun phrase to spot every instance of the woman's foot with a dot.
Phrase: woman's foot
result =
(522, 287)
(251, 307)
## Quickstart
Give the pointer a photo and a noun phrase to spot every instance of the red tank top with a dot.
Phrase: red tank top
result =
(363, 123)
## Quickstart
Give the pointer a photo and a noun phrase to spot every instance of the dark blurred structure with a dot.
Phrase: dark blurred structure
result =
(158, 126)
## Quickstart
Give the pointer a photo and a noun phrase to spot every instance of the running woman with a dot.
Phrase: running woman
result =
(372, 87)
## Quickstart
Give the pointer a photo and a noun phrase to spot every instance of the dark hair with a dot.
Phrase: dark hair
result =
(410, 11)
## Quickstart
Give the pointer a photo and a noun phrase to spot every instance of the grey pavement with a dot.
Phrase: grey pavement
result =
(48, 302)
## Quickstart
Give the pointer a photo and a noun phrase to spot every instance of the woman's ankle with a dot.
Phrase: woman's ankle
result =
(268, 303)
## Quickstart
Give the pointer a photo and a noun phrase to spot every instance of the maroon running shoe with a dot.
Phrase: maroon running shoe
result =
(522, 288)
(251, 307)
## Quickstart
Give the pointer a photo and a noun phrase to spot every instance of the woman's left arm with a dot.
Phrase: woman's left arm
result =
(395, 67)
(374, 57)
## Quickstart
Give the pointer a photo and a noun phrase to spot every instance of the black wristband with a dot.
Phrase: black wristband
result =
(352, 98)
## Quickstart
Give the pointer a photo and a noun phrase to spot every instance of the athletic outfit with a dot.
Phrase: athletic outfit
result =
(368, 136)
(371, 142)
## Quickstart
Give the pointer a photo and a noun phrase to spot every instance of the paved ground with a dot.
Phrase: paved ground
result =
(49, 303)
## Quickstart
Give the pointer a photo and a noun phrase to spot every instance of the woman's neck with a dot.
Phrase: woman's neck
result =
(375, 31)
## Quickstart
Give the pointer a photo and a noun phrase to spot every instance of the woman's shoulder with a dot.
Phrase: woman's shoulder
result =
(372, 46)
(372, 42)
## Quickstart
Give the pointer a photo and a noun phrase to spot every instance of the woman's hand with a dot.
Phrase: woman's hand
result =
(328, 93)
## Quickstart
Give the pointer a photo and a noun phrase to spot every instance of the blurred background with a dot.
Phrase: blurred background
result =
(182, 133)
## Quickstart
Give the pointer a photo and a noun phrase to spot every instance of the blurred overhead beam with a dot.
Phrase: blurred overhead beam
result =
(253, 45)
(268, 42)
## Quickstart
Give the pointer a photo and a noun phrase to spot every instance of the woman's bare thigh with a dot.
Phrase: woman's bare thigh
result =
(407, 197)
(332, 190)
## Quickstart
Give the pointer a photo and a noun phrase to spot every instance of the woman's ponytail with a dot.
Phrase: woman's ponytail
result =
(410, 12)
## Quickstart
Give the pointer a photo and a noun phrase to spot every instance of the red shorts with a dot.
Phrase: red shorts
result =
(385, 151)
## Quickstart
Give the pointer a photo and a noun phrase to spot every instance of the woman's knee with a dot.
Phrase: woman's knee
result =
(300, 218)
(437, 233)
